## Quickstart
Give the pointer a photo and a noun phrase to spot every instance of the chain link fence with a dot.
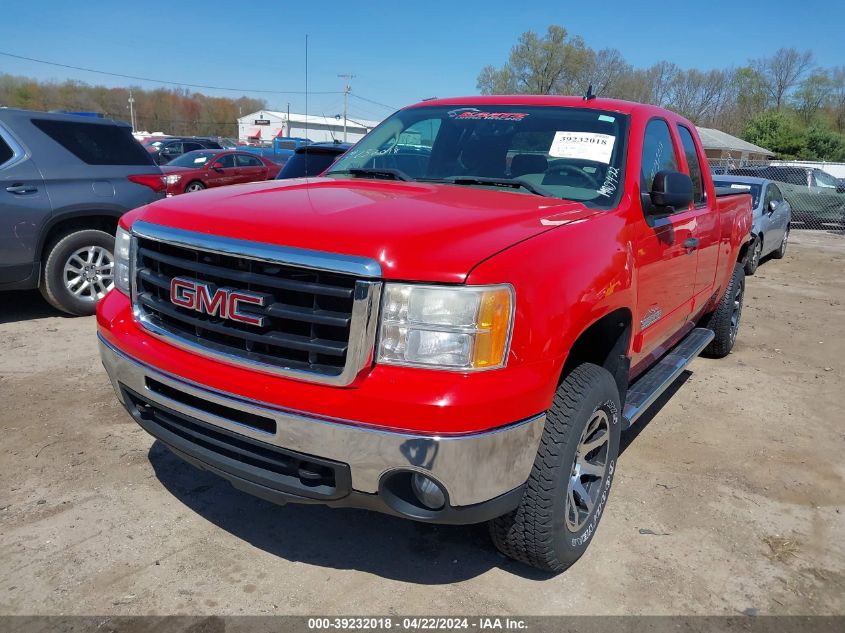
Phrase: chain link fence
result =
(815, 191)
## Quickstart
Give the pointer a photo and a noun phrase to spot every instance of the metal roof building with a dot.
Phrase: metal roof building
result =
(265, 125)
(720, 145)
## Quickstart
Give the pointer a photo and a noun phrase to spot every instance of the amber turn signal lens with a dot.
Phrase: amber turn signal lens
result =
(494, 320)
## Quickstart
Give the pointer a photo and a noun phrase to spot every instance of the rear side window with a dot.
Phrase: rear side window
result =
(699, 196)
(248, 161)
(6, 152)
(658, 153)
(96, 144)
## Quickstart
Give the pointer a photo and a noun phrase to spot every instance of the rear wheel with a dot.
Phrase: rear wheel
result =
(725, 319)
(781, 251)
(79, 271)
(570, 481)
(194, 186)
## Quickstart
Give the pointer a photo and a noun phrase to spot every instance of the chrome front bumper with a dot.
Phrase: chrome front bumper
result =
(473, 469)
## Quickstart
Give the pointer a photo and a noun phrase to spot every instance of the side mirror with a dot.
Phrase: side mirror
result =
(670, 189)
(773, 204)
(217, 166)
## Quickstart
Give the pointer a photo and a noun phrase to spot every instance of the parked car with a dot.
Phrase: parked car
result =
(457, 341)
(166, 149)
(226, 143)
(772, 214)
(205, 168)
(817, 198)
(312, 160)
(280, 150)
(65, 181)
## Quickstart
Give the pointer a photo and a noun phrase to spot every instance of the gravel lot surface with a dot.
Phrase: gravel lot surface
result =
(729, 495)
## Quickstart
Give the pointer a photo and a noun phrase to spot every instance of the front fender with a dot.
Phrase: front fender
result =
(565, 280)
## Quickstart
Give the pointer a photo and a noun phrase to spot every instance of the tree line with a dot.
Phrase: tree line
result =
(784, 102)
(173, 111)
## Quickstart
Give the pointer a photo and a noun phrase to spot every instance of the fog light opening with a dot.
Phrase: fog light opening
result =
(427, 491)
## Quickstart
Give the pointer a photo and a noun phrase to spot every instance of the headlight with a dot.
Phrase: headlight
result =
(172, 179)
(122, 240)
(466, 327)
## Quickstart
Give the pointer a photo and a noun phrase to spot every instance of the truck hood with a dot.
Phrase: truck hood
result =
(416, 231)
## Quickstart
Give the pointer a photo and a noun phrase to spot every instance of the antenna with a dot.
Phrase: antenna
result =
(589, 96)
(306, 85)
(331, 133)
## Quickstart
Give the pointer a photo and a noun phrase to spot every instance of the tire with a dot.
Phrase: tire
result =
(78, 269)
(781, 251)
(551, 528)
(194, 185)
(755, 256)
(724, 321)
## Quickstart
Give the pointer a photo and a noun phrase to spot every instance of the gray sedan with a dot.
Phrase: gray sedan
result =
(772, 214)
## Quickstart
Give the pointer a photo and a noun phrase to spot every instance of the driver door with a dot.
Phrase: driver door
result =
(666, 254)
(222, 171)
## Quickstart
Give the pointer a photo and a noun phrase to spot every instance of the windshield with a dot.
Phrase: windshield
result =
(156, 143)
(742, 187)
(197, 158)
(570, 153)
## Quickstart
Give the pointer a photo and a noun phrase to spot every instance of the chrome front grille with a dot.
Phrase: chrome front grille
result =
(318, 317)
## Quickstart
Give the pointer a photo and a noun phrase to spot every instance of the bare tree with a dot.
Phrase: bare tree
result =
(699, 95)
(603, 70)
(782, 72)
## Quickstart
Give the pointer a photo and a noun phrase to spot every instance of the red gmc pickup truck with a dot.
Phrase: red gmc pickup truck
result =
(453, 324)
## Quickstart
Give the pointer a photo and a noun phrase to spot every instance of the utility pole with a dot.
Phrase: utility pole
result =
(346, 90)
(132, 111)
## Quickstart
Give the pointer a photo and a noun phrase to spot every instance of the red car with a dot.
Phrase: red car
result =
(453, 324)
(204, 168)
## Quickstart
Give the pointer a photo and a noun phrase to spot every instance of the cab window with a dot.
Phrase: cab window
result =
(699, 195)
(658, 153)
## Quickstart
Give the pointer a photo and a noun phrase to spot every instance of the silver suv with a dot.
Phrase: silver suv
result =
(64, 181)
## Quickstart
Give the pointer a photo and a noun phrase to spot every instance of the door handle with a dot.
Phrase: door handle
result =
(21, 189)
(691, 243)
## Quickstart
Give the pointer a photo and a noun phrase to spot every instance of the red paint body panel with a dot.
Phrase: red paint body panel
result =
(431, 402)
(416, 231)
(569, 266)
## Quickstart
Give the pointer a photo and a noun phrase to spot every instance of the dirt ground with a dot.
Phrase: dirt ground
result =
(729, 495)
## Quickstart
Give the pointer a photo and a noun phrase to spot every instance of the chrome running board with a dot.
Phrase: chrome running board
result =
(648, 387)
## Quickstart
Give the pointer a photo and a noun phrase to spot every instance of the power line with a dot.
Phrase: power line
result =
(172, 83)
(383, 105)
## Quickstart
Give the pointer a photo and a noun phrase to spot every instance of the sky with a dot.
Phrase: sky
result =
(400, 52)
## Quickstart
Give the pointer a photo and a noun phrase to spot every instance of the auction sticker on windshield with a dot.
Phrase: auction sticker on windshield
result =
(584, 145)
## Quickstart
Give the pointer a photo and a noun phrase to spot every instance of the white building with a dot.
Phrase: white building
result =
(265, 125)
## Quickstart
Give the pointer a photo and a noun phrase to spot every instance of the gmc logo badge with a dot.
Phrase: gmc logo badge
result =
(223, 302)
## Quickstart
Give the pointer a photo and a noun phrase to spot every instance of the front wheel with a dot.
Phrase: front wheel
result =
(725, 319)
(572, 474)
(194, 186)
(755, 256)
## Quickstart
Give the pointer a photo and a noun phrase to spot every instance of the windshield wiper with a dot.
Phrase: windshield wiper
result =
(385, 173)
(514, 183)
